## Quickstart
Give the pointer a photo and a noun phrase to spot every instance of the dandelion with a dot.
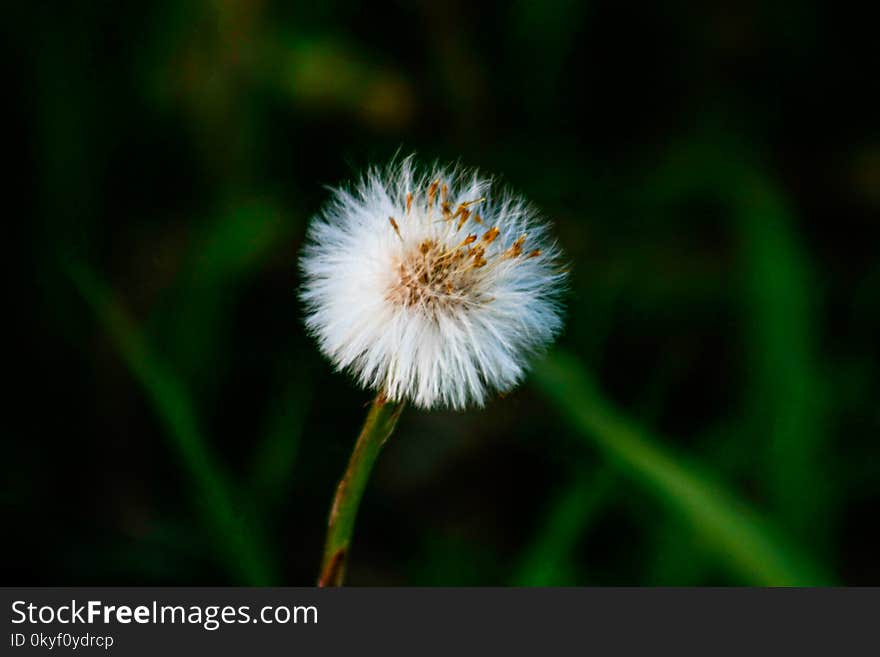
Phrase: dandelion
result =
(429, 287)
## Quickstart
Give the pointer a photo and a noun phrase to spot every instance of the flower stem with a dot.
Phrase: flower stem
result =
(377, 428)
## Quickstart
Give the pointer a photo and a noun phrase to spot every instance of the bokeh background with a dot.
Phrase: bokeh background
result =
(710, 415)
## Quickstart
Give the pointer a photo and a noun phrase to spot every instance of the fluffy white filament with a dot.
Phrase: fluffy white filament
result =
(431, 286)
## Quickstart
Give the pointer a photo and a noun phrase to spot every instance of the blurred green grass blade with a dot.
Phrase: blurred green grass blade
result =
(743, 541)
(229, 248)
(237, 241)
(275, 455)
(786, 412)
(548, 561)
(678, 559)
(785, 396)
(244, 554)
(451, 558)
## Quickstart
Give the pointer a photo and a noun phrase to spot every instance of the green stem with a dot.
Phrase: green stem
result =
(340, 527)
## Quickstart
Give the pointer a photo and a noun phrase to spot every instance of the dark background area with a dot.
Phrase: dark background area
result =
(712, 172)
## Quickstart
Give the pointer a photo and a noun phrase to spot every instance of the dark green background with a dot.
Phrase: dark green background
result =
(710, 415)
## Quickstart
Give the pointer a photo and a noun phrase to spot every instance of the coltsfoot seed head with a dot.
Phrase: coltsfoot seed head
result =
(431, 286)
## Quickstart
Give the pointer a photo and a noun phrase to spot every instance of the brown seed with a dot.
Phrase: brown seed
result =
(490, 235)
(432, 193)
(515, 248)
(395, 227)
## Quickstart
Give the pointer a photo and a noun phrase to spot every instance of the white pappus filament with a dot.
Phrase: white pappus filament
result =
(431, 287)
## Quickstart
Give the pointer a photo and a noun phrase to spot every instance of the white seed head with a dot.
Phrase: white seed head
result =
(431, 286)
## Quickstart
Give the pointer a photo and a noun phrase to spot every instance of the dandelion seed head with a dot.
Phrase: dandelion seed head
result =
(431, 286)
